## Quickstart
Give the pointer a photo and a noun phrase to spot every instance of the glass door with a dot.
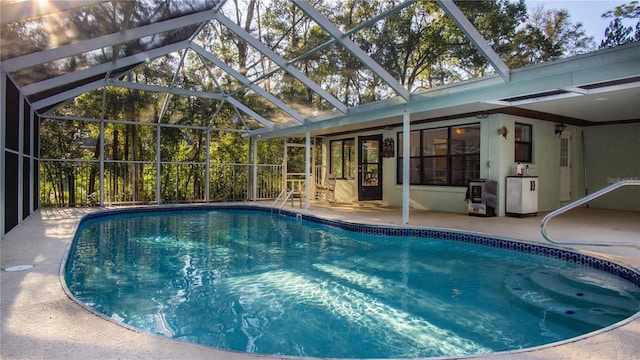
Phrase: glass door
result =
(370, 168)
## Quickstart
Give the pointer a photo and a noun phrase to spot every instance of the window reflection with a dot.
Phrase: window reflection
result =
(523, 143)
(343, 159)
(443, 156)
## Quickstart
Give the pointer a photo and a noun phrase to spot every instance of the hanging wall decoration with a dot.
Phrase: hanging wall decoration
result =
(388, 148)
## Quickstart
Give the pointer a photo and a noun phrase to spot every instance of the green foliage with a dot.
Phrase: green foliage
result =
(617, 33)
(419, 45)
(548, 35)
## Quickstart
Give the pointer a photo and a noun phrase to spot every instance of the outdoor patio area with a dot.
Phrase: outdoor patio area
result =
(39, 321)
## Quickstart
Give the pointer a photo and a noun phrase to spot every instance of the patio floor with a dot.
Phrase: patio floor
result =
(39, 321)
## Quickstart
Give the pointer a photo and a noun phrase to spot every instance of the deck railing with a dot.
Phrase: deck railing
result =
(77, 182)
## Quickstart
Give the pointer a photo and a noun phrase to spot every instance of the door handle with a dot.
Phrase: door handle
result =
(532, 185)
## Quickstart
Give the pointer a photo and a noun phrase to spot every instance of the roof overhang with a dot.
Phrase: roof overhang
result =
(589, 89)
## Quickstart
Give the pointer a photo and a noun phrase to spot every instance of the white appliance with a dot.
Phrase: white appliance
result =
(522, 195)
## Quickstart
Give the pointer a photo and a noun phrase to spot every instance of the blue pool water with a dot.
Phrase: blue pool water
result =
(256, 282)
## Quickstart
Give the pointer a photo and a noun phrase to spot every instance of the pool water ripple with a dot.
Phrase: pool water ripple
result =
(261, 283)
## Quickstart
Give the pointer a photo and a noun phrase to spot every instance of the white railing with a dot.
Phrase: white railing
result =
(269, 181)
(77, 182)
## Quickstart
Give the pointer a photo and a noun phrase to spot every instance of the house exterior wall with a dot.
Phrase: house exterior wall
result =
(545, 163)
(496, 163)
(612, 153)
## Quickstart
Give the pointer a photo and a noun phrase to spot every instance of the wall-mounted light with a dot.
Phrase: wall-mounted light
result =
(482, 115)
(503, 131)
(559, 129)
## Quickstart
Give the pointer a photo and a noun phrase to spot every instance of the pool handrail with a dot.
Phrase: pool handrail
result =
(282, 193)
(285, 194)
(582, 201)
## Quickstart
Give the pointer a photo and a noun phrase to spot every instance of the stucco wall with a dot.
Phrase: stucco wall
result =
(612, 153)
(546, 159)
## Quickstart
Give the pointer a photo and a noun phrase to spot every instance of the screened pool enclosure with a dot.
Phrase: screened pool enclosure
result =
(157, 101)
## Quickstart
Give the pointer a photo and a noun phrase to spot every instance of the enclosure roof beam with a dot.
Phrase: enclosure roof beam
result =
(332, 41)
(84, 46)
(476, 38)
(69, 94)
(248, 83)
(165, 89)
(264, 49)
(353, 48)
(249, 111)
(101, 69)
(128, 122)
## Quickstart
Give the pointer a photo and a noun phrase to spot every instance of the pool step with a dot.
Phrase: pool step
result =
(581, 296)
(593, 279)
(564, 286)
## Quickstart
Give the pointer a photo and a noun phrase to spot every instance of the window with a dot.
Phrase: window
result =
(523, 143)
(443, 156)
(343, 158)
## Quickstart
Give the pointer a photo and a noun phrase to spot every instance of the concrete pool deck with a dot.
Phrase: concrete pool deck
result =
(39, 321)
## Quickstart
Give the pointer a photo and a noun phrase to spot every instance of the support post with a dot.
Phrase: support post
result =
(101, 159)
(32, 156)
(307, 169)
(255, 169)
(406, 127)
(21, 156)
(285, 159)
(207, 165)
(158, 166)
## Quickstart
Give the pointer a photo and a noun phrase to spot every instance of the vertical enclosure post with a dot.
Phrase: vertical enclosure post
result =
(158, 169)
(207, 166)
(101, 159)
(20, 155)
(406, 125)
(307, 168)
(31, 157)
(255, 169)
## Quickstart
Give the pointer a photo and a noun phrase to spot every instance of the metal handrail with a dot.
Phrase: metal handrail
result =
(282, 193)
(582, 201)
(291, 193)
(286, 195)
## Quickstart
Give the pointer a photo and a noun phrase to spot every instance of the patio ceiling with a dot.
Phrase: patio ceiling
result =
(119, 37)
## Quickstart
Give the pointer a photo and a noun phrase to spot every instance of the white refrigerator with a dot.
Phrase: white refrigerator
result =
(522, 196)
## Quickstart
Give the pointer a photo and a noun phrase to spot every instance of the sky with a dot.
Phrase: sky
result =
(587, 12)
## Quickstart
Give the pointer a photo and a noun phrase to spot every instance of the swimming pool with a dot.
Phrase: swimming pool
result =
(251, 281)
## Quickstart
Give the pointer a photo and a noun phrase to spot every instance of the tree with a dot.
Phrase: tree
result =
(548, 35)
(415, 42)
(616, 33)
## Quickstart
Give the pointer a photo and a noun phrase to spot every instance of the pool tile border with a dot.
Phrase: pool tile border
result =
(396, 230)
